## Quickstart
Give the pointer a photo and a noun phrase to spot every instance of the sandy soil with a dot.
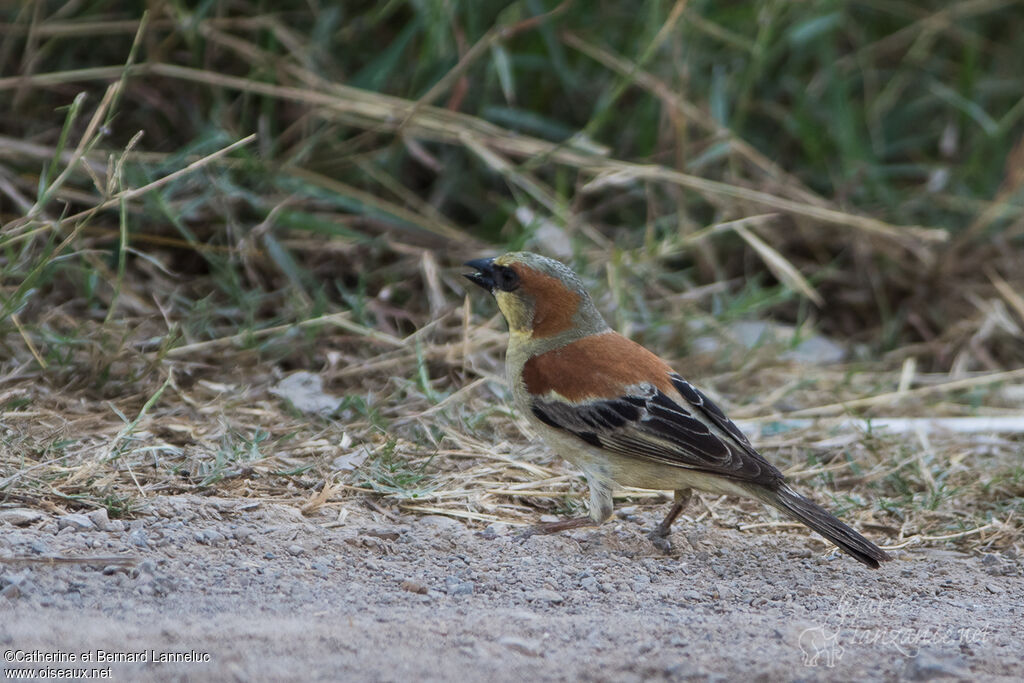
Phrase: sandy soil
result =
(257, 592)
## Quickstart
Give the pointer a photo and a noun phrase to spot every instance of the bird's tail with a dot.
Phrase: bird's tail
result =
(825, 523)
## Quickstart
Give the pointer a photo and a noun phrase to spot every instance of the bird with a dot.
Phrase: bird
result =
(621, 414)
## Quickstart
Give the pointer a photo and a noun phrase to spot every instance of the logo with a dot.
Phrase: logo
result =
(859, 621)
(819, 646)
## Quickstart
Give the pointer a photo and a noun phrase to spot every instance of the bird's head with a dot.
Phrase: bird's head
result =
(539, 297)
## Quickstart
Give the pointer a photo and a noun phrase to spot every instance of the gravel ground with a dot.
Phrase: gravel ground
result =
(252, 591)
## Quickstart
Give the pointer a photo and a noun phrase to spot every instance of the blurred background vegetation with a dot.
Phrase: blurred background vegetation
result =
(385, 128)
(222, 187)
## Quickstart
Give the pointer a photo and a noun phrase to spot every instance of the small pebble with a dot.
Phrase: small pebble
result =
(544, 595)
(159, 586)
(13, 579)
(413, 587)
(209, 537)
(147, 566)
(100, 519)
(296, 550)
(20, 516)
(138, 538)
(456, 586)
(641, 584)
(75, 521)
(11, 592)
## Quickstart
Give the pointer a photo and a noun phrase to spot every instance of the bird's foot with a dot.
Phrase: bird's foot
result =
(525, 534)
(660, 540)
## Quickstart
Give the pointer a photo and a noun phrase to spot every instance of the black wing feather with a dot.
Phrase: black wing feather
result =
(697, 399)
(646, 423)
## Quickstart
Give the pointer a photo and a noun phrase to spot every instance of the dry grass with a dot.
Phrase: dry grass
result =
(426, 421)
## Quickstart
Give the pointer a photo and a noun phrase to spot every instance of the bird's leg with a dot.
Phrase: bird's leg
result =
(600, 510)
(682, 499)
(660, 534)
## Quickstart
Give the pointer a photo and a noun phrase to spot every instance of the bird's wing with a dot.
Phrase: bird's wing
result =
(645, 422)
(696, 398)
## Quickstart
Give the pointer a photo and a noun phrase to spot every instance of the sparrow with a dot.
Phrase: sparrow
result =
(621, 414)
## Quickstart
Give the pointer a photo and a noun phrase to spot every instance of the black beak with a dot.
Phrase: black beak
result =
(484, 278)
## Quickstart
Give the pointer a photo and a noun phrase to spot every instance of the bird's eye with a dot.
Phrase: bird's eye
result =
(505, 278)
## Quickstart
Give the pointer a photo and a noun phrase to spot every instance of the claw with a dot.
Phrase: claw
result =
(659, 538)
(525, 535)
(663, 544)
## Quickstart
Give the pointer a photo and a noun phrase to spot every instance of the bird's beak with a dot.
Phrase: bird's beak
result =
(484, 277)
